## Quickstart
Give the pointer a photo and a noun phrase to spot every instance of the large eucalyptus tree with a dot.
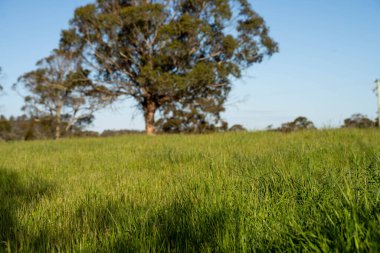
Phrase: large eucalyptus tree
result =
(178, 54)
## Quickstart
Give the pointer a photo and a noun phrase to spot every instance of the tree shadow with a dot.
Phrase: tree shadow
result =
(15, 193)
(179, 227)
(183, 225)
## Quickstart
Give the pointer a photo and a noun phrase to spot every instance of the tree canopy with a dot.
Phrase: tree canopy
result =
(176, 57)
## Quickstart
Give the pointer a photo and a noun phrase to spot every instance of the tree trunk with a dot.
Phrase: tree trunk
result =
(57, 131)
(58, 123)
(149, 111)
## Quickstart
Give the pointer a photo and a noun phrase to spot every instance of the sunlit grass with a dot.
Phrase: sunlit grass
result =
(243, 192)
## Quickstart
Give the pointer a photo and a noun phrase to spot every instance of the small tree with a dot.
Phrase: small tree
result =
(60, 89)
(237, 128)
(300, 123)
(358, 121)
(164, 53)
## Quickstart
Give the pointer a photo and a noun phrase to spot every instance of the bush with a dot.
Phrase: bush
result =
(237, 128)
(300, 123)
(359, 121)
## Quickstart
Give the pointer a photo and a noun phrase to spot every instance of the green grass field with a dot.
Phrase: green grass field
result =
(244, 192)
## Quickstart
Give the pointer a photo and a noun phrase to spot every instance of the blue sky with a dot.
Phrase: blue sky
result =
(329, 57)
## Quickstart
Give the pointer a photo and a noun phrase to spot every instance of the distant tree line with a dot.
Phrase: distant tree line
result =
(30, 128)
(25, 128)
(302, 123)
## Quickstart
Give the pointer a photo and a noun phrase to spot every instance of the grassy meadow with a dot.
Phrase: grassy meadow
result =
(313, 191)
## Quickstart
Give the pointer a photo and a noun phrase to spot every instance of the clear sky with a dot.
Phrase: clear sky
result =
(329, 58)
